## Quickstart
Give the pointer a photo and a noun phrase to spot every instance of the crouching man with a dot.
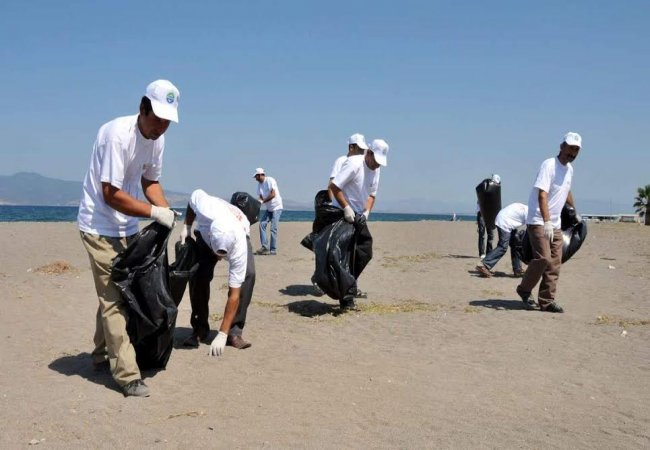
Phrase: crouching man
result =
(222, 232)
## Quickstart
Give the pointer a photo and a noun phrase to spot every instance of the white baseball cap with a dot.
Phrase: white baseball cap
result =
(572, 138)
(496, 178)
(164, 99)
(358, 139)
(379, 148)
(222, 240)
(258, 171)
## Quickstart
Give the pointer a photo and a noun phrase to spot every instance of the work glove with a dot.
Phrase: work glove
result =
(218, 344)
(548, 230)
(348, 214)
(164, 216)
(185, 232)
(367, 214)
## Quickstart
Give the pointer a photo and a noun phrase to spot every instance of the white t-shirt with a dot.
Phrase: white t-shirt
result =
(357, 181)
(337, 165)
(265, 188)
(122, 157)
(511, 217)
(223, 227)
(554, 179)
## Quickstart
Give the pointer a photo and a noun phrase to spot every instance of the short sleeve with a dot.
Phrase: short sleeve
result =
(544, 176)
(237, 265)
(112, 163)
(345, 175)
(374, 186)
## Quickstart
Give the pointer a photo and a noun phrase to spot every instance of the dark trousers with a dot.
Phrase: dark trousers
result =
(493, 257)
(482, 231)
(200, 290)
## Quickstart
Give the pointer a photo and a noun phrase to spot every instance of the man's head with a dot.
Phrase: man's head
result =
(259, 175)
(377, 154)
(357, 144)
(158, 107)
(570, 147)
(222, 241)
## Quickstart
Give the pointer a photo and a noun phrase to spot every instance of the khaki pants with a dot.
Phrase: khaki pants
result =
(112, 342)
(546, 263)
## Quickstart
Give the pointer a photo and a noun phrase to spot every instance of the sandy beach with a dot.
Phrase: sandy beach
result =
(436, 358)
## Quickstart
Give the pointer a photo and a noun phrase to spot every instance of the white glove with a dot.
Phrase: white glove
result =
(367, 214)
(163, 216)
(348, 214)
(218, 344)
(578, 218)
(185, 232)
(548, 230)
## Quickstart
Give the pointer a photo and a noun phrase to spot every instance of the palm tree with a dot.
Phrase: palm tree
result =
(642, 203)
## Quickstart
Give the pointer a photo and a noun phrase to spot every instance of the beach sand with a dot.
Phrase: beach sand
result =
(436, 358)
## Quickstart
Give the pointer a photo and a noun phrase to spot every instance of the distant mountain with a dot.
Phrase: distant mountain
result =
(27, 188)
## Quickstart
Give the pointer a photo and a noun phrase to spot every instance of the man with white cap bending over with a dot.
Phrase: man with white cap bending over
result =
(222, 232)
(355, 187)
(127, 156)
(552, 189)
(269, 195)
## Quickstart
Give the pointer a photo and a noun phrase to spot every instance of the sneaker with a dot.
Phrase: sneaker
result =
(348, 304)
(360, 294)
(273, 252)
(552, 307)
(483, 271)
(526, 297)
(262, 251)
(136, 388)
(193, 341)
(519, 273)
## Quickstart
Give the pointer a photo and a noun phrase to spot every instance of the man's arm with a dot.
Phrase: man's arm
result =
(230, 310)
(569, 200)
(124, 203)
(542, 198)
(154, 192)
(270, 197)
(370, 203)
(338, 194)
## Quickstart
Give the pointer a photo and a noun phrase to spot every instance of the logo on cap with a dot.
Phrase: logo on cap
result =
(170, 97)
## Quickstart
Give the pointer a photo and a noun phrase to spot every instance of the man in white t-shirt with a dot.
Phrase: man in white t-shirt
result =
(355, 187)
(356, 146)
(269, 195)
(507, 221)
(222, 232)
(127, 156)
(552, 189)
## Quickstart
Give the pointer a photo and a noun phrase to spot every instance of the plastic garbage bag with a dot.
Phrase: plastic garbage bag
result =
(183, 268)
(488, 193)
(249, 205)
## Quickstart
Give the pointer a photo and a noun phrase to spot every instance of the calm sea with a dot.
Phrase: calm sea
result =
(69, 214)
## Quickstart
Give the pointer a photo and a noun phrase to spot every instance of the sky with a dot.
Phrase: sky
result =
(459, 90)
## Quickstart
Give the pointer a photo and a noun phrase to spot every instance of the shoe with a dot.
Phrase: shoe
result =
(136, 388)
(193, 341)
(262, 251)
(237, 342)
(348, 305)
(552, 307)
(360, 294)
(526, 297)
(483, 271)
(519, 273)
(273, 252)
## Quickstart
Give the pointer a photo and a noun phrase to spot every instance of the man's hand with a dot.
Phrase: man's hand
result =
(367, 214)
(164, 216)
(218, 344)
(348, 214)
(548, 230)
(185, 232)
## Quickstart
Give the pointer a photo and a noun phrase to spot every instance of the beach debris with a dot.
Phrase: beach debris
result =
(55, 268)
(611, 267)
(623, 333)
(187, 414)
(36, 441)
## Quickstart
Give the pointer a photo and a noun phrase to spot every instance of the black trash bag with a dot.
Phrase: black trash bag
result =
(141, 273)
(489, 201)
(342, 250)
(326, 214)
(574, 234)
(249, 205)
(183, 268)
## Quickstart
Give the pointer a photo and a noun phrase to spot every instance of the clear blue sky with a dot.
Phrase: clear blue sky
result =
(459, 90)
